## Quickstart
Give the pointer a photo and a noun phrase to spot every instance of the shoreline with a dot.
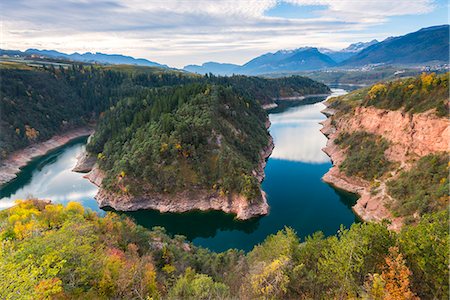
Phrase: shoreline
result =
(411, 136)
(183, 201)
(12, 165)
(300, 98)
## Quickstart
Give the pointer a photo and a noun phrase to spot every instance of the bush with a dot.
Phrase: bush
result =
(422, 189)
(364, 155)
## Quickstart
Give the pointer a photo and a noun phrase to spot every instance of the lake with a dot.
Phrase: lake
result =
(297, 196)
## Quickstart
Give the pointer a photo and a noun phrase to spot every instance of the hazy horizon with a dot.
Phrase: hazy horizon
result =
(179, 33)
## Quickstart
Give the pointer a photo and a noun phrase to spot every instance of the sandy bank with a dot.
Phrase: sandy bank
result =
(11, 166)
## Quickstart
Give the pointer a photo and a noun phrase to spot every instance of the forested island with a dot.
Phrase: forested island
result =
(198, 146)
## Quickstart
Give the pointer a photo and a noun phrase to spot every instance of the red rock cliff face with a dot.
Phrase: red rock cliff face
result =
(411, 136)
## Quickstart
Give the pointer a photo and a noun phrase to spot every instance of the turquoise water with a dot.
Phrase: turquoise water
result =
(297, 196)
(50, 177)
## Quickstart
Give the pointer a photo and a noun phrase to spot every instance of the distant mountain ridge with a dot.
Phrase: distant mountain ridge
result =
(352, 49)
(301, 59)
(98, 57)
(423, 46)
(427, 45)
(213, 67)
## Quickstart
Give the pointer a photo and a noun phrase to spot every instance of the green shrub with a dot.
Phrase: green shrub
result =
(422, 189)
(364, 154)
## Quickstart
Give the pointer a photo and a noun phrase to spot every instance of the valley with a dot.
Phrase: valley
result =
(306, 165)
(319, 170)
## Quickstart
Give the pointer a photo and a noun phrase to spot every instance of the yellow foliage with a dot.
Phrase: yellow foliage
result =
(31, 133)
(222, 192)
(427, 80)
(164, 147)
(178, 146)
(150, 279)
(377, 90)
(23, 230)
(168, 268)
(101, 156)
(48, 287)
(75, 207)
(272, 281)
(375, 287)
(396, 276)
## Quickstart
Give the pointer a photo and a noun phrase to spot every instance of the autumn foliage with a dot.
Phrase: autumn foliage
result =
(65, 252)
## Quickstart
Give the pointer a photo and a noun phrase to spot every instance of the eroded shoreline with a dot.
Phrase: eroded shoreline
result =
(11, 166)
(410, 137)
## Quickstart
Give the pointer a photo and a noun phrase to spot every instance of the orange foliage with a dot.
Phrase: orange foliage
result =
(397, 277)
(31, 133)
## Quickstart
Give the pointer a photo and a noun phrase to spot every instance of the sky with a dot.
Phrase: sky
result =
(181, 32)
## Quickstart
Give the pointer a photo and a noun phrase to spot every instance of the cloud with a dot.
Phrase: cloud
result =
(371, 8)
(182, 32)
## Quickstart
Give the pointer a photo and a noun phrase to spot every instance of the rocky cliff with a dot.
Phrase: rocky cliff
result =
(411, 136)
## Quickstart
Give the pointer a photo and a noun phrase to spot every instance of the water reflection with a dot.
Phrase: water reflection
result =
(293, 130)
(50, 177)
(195, 224)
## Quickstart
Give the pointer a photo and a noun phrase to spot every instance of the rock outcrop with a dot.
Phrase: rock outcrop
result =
(411, 136)
(11, 166)
(85, 163)
(187, 200)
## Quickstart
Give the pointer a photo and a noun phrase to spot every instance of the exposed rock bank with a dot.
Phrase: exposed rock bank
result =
(11, 166)
(85, 163)
(186, 200)
(411, 136)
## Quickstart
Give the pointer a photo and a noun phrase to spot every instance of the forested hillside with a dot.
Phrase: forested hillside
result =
(193, 136)
(38, 102)
(414, 95)
(56, 252)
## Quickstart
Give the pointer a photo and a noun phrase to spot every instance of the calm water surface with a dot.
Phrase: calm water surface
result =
(297, 196)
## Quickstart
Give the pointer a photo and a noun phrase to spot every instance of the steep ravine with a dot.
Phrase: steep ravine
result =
(184, 201)
(411, 136)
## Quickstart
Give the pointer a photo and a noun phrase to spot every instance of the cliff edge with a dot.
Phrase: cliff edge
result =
(410, 137)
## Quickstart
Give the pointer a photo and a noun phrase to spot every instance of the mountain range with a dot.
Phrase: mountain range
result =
(341, 55)
(427, 45)
(88, 57)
